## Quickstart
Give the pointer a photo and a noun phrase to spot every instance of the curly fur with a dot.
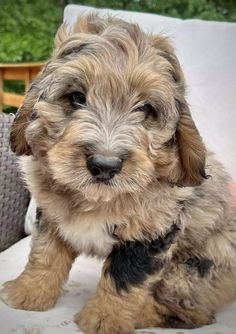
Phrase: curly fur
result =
(168, 177)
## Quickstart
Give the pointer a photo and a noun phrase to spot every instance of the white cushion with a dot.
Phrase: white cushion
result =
(30, 217)
(207, 52)
(82, 283)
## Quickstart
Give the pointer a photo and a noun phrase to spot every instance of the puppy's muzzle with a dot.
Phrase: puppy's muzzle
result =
(103, 168)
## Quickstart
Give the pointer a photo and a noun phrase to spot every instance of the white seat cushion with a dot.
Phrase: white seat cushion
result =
(82, 283)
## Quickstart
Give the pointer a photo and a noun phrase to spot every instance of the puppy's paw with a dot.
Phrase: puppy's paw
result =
(93, 320)
(21, 295)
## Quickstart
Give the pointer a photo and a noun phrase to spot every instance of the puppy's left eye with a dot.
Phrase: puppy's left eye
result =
(148, 110)
(77, 99)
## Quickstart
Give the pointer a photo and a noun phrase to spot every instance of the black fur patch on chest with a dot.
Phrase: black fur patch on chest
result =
(202, 265)
(131, 262)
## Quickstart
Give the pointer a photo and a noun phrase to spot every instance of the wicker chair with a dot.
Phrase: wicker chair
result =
(14, 198)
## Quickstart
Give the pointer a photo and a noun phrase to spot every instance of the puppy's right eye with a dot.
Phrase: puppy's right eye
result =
(77, 99)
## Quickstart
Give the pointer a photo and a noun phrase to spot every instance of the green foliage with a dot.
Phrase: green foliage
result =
(27, 29)
(222, 10)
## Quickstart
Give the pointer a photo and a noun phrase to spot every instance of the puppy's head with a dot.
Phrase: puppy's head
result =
(108, 115)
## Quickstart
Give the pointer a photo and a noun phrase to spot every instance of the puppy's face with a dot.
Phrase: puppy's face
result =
(107, 114)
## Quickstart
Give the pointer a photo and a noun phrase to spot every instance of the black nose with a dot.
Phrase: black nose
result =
(103, 168)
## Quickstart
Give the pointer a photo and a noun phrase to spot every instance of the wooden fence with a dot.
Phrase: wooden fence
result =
(21, 71)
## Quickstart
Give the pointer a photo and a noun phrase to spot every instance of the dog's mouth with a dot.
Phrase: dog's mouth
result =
(102, 181)
(100, 190)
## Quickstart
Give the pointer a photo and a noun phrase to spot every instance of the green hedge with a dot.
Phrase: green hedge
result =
(27, 29)
(202, 9)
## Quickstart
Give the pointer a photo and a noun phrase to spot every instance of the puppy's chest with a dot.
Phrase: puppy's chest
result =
(89, 235)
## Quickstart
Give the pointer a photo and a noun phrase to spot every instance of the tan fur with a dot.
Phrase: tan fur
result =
(39, 286)
(163, 181)
(192, 152)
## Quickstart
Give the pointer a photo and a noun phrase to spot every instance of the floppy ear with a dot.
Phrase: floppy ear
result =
(191, 151)
(18, 141)
(23, 117)
(24, 114)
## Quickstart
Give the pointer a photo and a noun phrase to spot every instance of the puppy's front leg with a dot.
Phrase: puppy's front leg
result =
(110, 310)
(121, 292)
(39, 286)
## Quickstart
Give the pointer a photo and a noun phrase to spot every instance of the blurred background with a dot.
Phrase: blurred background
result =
(27, 27)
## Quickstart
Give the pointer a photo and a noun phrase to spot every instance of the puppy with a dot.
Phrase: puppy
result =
(119, 170)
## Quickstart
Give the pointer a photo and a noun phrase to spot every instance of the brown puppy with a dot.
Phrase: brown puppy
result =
(118, 168)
